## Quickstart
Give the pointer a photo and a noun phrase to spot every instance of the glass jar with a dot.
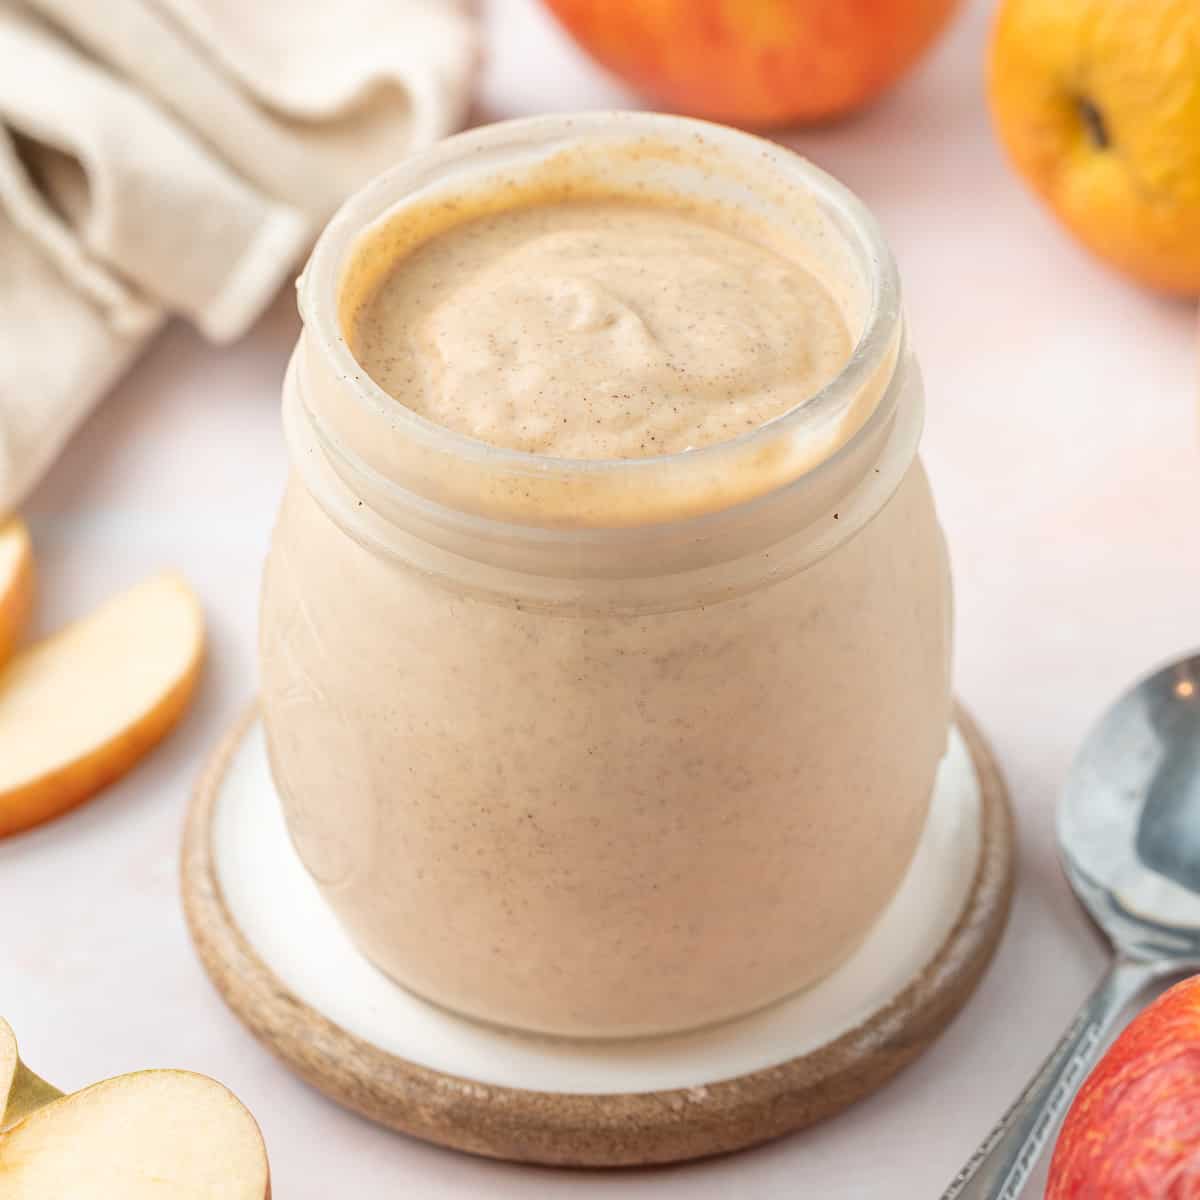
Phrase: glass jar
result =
(606, 748)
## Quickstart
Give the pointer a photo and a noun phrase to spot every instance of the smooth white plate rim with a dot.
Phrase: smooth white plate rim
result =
(271, 898)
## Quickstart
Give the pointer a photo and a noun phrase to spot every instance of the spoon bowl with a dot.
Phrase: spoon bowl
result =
(1129, 818)
(1129, 840)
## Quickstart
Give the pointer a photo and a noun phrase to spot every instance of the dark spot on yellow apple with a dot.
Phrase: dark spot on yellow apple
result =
(1093, 122)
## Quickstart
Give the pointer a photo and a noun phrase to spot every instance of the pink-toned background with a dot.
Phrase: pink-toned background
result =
(1062, 448)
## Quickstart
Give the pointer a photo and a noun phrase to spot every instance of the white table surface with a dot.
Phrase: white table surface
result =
(1061, 441)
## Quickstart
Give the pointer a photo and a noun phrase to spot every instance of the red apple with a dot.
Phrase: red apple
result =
(1133, 1132)
(756, 62)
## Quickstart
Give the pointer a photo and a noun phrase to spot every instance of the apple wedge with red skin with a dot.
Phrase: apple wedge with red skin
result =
(145, 1136)
(1133, 1131)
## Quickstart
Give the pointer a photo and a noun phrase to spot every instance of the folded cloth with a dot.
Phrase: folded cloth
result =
(163, 157)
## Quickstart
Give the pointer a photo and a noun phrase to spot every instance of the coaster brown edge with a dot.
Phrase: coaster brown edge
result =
(598, 1130)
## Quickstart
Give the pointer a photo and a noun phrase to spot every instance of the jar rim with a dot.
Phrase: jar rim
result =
(319, 288)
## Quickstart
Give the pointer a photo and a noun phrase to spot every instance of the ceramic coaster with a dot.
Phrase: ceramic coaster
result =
(282, 962)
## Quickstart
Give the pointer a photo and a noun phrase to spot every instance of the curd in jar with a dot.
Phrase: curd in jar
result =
(605, 631)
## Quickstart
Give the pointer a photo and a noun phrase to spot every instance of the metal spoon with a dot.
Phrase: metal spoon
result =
(1129, 838)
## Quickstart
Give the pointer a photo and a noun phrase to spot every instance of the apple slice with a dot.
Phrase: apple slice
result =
(21, 1091)
(16, 582)
(80, 708)
(145, 1136)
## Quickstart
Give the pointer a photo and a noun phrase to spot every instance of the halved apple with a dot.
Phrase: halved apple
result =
(21, 1091)
(144, 1136)
(16, 582)
(79, 709)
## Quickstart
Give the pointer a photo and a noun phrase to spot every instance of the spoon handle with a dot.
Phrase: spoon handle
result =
(999, 1168)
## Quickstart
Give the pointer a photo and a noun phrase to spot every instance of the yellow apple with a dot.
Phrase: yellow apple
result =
(1098, 107)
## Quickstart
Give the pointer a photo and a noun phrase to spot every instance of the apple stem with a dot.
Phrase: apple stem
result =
(1094, 123)
(29, 1092)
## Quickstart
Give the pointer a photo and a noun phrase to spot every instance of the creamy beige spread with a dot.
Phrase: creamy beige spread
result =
(645, 803)
(601, 329)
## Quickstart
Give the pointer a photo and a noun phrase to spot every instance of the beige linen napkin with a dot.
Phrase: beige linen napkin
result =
(177, 157)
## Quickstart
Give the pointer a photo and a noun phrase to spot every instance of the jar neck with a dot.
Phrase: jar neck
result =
(804, 481)
(594, 156)
(731, 548)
